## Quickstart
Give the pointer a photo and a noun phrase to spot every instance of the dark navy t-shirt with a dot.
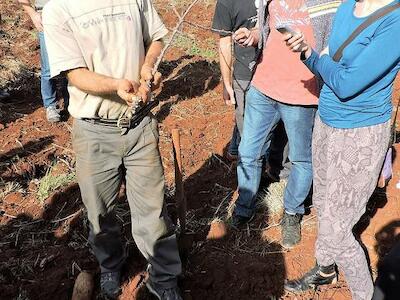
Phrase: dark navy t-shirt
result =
(230, 15)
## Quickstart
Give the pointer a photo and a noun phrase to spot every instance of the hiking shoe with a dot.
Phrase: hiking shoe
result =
(52, 114)
(238, 222)
(110, 284)
(291, 227)
(317, 276)
(4, 95)
(162, 293)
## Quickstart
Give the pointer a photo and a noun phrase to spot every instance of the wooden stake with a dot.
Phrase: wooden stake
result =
(180, 198)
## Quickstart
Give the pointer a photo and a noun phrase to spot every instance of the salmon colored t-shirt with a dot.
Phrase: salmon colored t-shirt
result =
(281, 75)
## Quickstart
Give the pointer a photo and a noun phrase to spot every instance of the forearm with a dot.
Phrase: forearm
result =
(311, 61)
(27, 7)
(225, 60)
(255, 32)
(153, 53)
(92, 83)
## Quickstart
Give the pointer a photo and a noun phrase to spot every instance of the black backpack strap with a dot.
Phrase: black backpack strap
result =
(371, 19)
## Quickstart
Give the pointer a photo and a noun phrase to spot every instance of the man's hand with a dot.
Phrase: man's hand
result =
(127, 90)
(245, 37)
(146, 75)
(36, 18)
(148, 82)
(229, 95)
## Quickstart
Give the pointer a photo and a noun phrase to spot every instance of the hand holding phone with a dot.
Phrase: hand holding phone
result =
(296, 42)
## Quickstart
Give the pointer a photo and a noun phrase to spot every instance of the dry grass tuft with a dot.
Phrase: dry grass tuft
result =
(10, 68)
(271, 199)
(50, 183)
(7, 188)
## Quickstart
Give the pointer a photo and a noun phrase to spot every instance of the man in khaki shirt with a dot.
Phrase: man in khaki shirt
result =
(107, 48)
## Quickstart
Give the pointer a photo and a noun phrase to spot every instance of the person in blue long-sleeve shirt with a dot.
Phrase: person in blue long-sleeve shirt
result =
(351, 136)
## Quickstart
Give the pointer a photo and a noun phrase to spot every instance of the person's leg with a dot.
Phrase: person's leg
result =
(98, 161)
(240, 87)
(64, 91)
(47, 85)
(355, 158)
(260, 118)
(278, 154)
(299, 122)
(286, 164)
(152, 229)
(324, 272)
(320, 160)
(234, 144)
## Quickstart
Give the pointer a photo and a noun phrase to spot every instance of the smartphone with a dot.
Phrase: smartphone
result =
(284, 29)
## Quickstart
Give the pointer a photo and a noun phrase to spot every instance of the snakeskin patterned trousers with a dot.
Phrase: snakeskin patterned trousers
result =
(346, 164)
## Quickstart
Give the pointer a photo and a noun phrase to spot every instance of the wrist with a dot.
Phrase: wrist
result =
(148, 65)
(115, 83)
(227, 84)
(256, 35)
(306, 54)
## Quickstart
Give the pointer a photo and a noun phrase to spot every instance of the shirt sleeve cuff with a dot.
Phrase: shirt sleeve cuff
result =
(160, 34)
(58, 68)
(312, 61)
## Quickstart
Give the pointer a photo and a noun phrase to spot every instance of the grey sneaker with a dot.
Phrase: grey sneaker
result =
(52, 114)
(110, 284)
(164, 294)
(291, 227)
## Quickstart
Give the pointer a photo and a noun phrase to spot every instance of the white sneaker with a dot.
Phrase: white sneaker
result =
(52, 114)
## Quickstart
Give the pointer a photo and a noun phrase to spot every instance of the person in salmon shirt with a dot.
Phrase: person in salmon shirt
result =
(282, 88)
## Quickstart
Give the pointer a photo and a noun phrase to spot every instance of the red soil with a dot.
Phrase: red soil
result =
(43, 245)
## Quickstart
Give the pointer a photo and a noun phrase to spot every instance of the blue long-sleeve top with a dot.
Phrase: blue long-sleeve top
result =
(357, 90)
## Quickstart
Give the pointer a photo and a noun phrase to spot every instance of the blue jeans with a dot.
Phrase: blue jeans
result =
(48, 86)
(260, 118)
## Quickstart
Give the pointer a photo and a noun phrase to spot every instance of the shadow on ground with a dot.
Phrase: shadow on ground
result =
(185, 80)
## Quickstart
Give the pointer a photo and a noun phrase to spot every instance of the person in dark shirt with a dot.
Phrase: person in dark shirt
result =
(237, 71)
(236, 67)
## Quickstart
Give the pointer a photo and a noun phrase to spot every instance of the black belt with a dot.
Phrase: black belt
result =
(125, 123)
